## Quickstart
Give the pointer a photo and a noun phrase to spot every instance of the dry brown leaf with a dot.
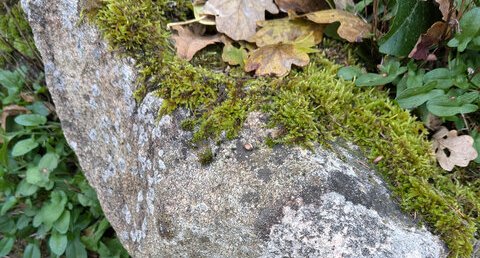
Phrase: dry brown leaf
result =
(452, 150)
(11, 110)
(343, 4)
(444, 6)
(301, 6)
(28, 97)
(434, 34)
(285, 31)
(277, 59)
(238, 18)
(189, 40)
(352, 28)
(200, 15)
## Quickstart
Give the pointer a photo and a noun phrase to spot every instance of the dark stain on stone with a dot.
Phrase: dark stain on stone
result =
(204, 240)
(250, 197)
(165, 227)
(86, 97)
(266, 218)
(374, 199)
(264, 174)
(241, 153)
(312, 194)
(280, 153)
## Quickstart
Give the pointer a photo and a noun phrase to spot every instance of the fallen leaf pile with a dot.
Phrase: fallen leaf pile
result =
(268, 47)
(452, 150)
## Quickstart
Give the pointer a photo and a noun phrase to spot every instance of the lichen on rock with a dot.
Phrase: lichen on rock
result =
(163, 202)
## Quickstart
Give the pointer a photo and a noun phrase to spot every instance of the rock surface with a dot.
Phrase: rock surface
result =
(280, 202)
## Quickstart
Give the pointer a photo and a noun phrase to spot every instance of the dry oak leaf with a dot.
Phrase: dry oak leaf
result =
(452, 150)
(301, 6)
(277, 59)
(352, 28)
(286, 30)
(188, 42)
(444, 7)
(426, 41)
(238, 18)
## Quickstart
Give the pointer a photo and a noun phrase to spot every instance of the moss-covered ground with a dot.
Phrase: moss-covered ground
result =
(310, 105)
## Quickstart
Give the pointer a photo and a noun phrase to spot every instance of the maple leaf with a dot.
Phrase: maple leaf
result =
(286, 30)
(452, 150)
(301, 6)
(189, 40)
(352, 28)
(238, 18)
(277, 59)
(425, 41)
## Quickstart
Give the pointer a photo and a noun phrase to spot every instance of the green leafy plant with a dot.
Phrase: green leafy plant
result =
(448, 90)
(47, 207)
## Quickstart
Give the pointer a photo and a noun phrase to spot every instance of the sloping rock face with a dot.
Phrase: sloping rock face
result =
(280, 202)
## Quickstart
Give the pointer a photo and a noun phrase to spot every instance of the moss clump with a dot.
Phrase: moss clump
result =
(309, 106)
(334, 108)
(205, 157)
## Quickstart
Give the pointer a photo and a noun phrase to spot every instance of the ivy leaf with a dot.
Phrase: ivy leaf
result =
(442, 76)
(30, 120)
(452, 150)
(352, 28)
(48, 163)
(26, 189)
(23, 147)
(238, 18)
(349, 73)
(8, 203)
(58, 243)
(76, 249)
(53, 209)
(301, 6)
(469, 29)
(285, 31)
(6, 245)
(61, 225)
(31, 251)
(189, 41)
(277, 59)
(411, 20)
(414, 97)
(390, 70)
(444, 106)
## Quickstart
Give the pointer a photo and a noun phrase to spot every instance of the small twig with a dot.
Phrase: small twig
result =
(466, 123)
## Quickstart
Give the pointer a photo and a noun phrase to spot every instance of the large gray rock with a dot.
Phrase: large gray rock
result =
(280, 202)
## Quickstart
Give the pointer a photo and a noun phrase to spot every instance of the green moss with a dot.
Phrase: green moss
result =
(308, 106)
(205, 157)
